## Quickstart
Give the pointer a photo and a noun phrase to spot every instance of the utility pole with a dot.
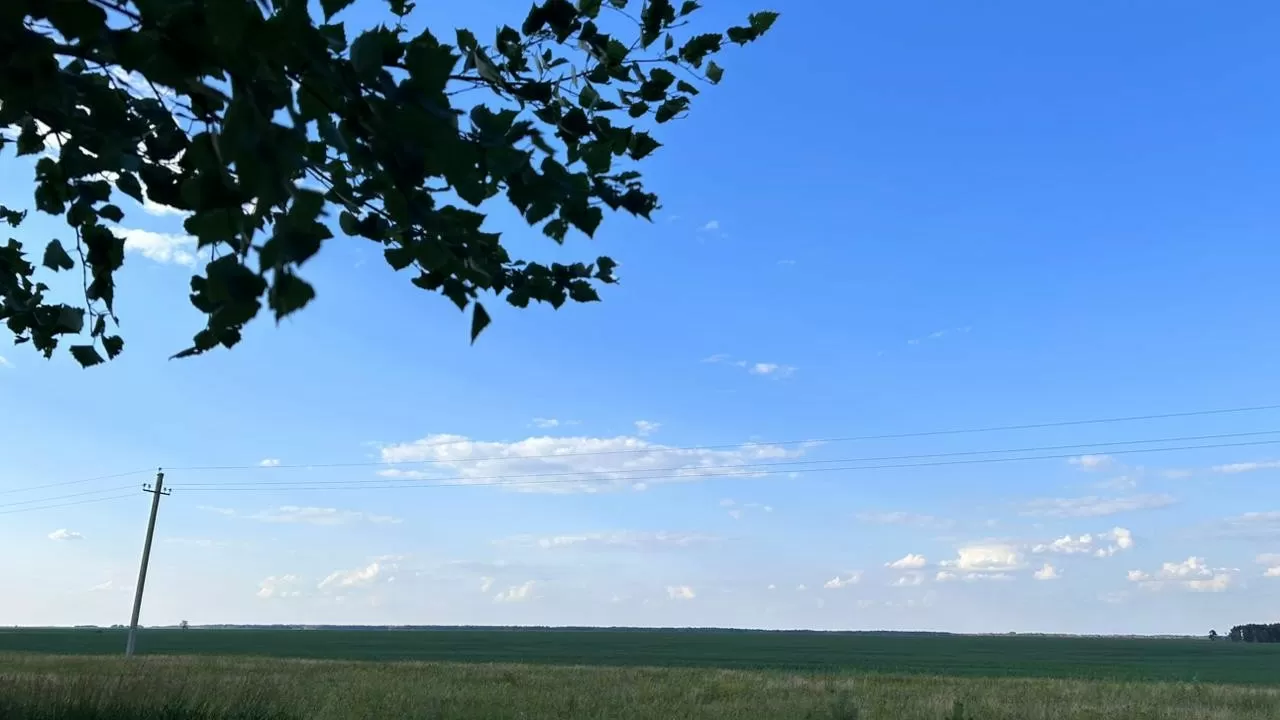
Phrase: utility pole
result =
(156, 492)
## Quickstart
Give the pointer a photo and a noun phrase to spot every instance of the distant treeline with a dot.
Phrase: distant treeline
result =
(1255, 633)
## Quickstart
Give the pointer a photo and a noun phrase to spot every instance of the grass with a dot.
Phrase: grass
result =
(42, 687)
(1116, 659)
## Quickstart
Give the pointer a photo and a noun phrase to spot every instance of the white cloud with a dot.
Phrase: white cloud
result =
(1103, 544)
(103, 586)
(516, 593)
(616, 540)
(161, 247)
(801, 588)
(1091, 462)
(359, 577)
(948, 576)
(270, 462)
(1190, 574)
(909, 580)
(1271, 572)
(4, 363)
(711, 225)
(279, 586)
(1242, 467)
(903, 518)
(64, 534)
(645, 428)
(575, 464)
(838, 582)
(939, 334)
(295, 514)
(765, 368)
(1048, 572)
(545, 423)
(907, 562)
(987, 558)
(681, 592)
(152, 207)
(485, 584)
(1094, 506)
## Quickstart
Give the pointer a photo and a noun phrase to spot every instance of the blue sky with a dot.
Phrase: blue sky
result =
(889, 219)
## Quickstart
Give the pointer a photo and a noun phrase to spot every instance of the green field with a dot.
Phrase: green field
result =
(1121, 659)
(638, 675)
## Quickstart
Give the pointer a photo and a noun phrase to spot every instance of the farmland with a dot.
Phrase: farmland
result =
(476, 673)
(1027, 656)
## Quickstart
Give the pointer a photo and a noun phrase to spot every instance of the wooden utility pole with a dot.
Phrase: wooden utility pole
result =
(156, 492)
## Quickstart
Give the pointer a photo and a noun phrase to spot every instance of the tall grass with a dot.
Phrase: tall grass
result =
(77, 688)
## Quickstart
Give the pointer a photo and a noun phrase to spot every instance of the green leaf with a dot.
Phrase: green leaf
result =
(714, 72)
(762, 21)
(333, 7)
(349, 224)
(113, 344)
(479, 321)
(56, 258)
(589, 8)
(699, 47)
(289, 294)
(671, 108)
(111, 212)
(688, 7)
(685, 87)
(86, 355)
(128, 184)
(638, 109)
(641, 145)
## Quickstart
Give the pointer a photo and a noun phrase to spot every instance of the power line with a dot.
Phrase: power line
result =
(71, 482)
(62, 505)
(793, 464)
(738, 473)
(690, 448)
(63, 497)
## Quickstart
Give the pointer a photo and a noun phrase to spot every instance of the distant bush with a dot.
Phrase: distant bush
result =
(1255, 633)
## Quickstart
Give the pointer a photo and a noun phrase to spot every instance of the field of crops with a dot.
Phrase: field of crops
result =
(627, 675)
(1118, 659)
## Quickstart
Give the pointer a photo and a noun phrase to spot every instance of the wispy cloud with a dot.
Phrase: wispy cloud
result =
(360, 577)
(841, 581)
(939, 334)
(545, 423)
(163, 248)
(516, 593)
(1094, 506)
(1103, 544)
(764, 369)
(1091, 462)
(1243, 467)
(575, 464)
(908, 562)
(279, 586)
(1047, 572)
(681, 592)
(295, 514)
(64, 534)
(644, 428)
(617, 540)
(4, 363)
(737, 509)
(1190, 574)
(908, 519)
(711, 226)
(270, 462)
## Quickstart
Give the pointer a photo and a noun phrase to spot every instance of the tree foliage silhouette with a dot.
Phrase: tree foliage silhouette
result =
(259, 122)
